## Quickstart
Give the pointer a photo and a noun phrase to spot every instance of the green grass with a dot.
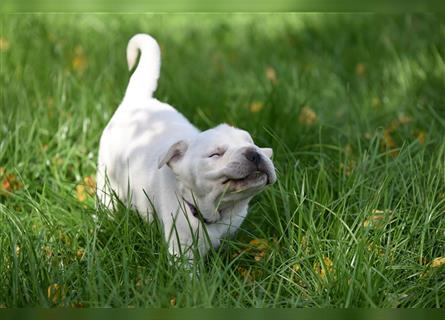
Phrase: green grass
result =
(376, 84)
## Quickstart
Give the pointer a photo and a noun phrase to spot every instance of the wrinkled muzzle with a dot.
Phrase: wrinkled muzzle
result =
(250, 163)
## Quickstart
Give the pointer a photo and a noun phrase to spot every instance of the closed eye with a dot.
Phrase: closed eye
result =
(217, 153)
(214, 155)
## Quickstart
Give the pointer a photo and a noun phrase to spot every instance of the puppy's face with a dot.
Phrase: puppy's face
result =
(219, 168)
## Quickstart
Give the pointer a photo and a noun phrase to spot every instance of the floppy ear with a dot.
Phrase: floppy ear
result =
(174, 153)
(267, 151)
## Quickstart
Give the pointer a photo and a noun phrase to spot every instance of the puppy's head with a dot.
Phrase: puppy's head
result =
(218, 169)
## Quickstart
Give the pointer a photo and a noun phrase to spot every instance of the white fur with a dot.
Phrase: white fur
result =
(152, 157)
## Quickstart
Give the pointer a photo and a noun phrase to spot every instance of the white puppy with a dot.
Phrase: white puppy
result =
(198, 183)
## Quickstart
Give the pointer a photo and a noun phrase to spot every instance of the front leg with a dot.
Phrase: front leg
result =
(189, 239)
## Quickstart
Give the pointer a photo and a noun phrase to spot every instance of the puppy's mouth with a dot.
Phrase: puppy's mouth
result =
(255, 178)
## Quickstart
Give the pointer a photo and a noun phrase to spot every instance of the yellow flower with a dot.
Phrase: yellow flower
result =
(90, 183)
(10, 183)
(80, 193)
(403, 119)
(296, 267)
(388, 141)
(86, 189)
(375, 221)
(256, 107)
(260, 246)
(249, 274)
(307, 116)
(56, 293)
(438, 262)
(271, 75)
(80, 61)
(421, 137)
(360, 69)
(80, 253)
(375, 102)
(48, 251)
(323, 270)
(4, 44)
(259, 256)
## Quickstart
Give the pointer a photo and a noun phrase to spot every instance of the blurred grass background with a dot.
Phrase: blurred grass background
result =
(137, 6)
(353, 105)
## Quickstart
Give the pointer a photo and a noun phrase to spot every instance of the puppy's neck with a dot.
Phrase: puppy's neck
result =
(210, 211)
(196, 212)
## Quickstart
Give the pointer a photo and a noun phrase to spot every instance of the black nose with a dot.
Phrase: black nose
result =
(253, 156)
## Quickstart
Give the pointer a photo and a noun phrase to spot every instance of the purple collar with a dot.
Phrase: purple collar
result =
(196, 213)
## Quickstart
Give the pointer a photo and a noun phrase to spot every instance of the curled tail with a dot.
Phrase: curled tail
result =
(144, 80)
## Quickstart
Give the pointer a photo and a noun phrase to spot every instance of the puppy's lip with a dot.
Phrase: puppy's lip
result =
(254, 175)
(271, 178)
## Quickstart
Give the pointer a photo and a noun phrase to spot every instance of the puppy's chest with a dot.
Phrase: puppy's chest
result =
(227, 226)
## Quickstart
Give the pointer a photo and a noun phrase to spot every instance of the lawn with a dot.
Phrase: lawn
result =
(353, 106)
